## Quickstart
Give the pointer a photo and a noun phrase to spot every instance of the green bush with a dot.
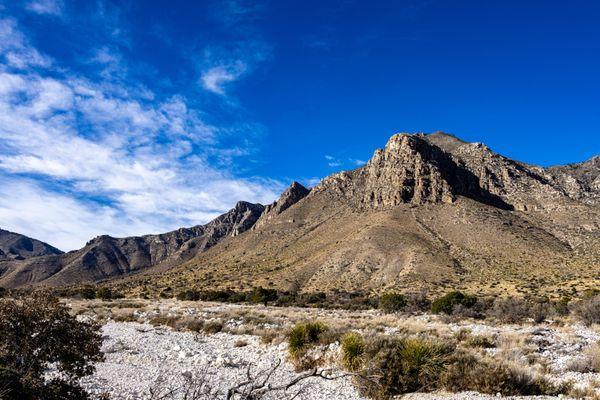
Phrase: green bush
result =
(353, 348)
(392, 302)
(216, 295)
(403, 365)
(303, 335)
(189, 295)
(262, 295)
(87, 292)
(446, 303)
(104, 293)
(36, 333)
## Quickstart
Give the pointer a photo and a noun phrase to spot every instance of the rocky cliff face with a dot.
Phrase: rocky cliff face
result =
(293, 194)
(410, 170)
(14, 246)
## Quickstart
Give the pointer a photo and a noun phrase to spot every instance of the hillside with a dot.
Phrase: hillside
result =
(14, 246)
(427, 211)
(106, 257)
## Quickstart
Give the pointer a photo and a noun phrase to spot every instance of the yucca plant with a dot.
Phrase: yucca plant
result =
(353, 348)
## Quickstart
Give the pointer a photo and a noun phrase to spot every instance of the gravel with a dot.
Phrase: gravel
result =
(140, 357)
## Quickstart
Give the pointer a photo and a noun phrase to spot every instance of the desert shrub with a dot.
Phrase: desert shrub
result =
(104, 293)
(215, 295)
(446, 303)
(392, 302)
(588, 310)
(189, 295)
(303, 335)
(403, 365)
(561, 307)
(314, 298)
(467, 372)
(263, 295)
(480, 341)
(353, 348)
(87, 292)
(417, 302)
(515, 310)
(214, 326)
(165, 320)
(36, 333)
(189, 324)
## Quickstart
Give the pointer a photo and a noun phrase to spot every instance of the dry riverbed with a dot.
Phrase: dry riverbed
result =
(155, 348)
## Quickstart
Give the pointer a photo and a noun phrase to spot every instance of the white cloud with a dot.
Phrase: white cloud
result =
(332, 161)
(116, 161)
(357, 162)
(216, 78)
(46, 7)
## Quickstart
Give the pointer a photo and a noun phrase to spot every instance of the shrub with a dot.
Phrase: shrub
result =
(216, 295)
(511, 310)
(104, 293)
(87, 293)
(446, 303)
(262, 295)
(189, 295)
(588, 310)
(403, 365)
(303, 335)
(392, 302)
(37, 333)
(214, 326)
(353, 348)
(467, 372)
(170, 321)
(2, 292)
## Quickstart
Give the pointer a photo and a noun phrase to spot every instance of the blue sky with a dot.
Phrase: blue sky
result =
(140, 117)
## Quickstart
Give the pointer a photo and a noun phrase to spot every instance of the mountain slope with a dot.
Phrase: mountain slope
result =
(427, 211)
(106, 257)
(19, 247)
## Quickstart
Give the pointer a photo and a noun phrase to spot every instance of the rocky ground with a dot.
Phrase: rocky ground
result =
(149, 361)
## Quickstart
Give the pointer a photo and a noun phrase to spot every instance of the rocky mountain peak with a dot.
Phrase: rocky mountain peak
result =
(293, 194)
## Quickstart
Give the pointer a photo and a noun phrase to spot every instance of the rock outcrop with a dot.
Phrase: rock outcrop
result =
(293, 194)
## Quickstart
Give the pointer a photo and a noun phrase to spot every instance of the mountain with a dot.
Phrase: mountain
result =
(106, 257)
(426, 212)
(14, 246)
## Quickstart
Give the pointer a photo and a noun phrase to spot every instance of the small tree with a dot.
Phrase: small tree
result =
(38, 333)
(446, 303)
(392, 302)
(87, 292)
(104, 293)
(262, 295)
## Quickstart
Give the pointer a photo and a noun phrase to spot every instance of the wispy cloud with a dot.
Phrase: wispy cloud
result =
(102, 156)
(216, 78)
(46, 7)
(332, 161)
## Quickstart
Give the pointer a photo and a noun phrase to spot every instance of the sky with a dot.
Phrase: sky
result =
(136, 117)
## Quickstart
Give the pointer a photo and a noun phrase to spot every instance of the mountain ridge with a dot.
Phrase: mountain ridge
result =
(426, 210)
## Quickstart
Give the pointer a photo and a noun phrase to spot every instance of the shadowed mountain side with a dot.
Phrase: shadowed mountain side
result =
(14, 246)
(106, 257)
